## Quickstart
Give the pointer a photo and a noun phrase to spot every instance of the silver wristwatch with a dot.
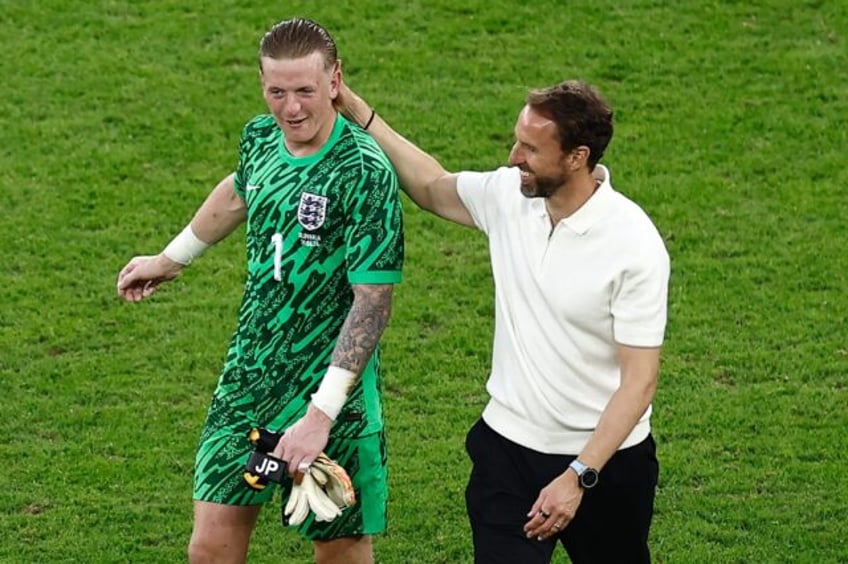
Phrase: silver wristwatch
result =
(587, 476)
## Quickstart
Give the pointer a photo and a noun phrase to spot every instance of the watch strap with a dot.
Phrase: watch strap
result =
(578, 467)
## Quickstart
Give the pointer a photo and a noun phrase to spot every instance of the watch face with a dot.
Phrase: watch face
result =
(589, 478)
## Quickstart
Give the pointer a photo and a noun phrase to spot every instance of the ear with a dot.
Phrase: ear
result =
(579, 157)
(335, 79)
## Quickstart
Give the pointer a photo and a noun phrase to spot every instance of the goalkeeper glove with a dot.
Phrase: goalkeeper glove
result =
(325, 489)
(307, 496)
(334, 480)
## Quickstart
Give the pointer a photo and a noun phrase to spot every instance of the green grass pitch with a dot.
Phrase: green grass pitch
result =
(117, 118)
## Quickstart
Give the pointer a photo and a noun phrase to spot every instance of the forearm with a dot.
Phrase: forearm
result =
(618, 420)
(639, 368)
(220, 214)
(365, 322)
(357, 340)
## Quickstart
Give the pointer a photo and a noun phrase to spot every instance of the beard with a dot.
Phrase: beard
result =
(542, 186)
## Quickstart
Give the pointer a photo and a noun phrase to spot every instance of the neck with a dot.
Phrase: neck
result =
(571, 196)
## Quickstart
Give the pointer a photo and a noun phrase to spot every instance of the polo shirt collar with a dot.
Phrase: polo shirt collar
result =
(595, 208)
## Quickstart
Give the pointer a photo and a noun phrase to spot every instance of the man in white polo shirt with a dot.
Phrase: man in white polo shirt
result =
(563, 451)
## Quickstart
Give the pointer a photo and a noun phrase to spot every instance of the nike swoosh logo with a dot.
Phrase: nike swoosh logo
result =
(251, 187)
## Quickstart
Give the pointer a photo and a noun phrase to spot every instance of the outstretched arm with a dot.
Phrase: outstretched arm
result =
(365, 322)
(218, 216)
(423, 179)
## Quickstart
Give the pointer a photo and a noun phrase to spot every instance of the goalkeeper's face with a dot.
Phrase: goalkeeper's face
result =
(300, 93)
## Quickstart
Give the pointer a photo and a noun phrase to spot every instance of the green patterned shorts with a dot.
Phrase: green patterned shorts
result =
(223, 453)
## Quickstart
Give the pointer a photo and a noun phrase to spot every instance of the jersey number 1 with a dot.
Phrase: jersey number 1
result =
(277, 241)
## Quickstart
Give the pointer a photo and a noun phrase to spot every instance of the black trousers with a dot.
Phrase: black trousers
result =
(611, 524)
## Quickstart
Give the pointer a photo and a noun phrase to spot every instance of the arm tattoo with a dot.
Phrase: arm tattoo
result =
(368, 316)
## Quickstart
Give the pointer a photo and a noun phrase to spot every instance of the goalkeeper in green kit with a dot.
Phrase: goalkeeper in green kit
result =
(324, 249)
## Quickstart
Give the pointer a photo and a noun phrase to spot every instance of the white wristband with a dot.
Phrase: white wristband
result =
(185, 247)
(333, 391)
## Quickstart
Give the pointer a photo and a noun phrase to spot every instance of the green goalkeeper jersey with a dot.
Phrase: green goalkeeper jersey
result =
(316, 225)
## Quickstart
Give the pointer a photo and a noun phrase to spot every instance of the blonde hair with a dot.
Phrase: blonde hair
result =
(296, 38)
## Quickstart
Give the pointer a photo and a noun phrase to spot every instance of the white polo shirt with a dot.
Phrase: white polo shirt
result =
(563, 299)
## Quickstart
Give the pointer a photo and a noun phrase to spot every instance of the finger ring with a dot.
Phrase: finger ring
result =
(303, 467)
(545, 514)
(556, 526)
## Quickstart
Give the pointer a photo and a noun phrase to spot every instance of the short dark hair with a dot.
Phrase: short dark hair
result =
(296, 38)
(581, 114)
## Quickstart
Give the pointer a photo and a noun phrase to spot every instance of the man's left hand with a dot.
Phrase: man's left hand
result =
(554, 508)
(304, 441)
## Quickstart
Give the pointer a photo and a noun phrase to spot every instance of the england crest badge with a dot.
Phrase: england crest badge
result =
(312, 211)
